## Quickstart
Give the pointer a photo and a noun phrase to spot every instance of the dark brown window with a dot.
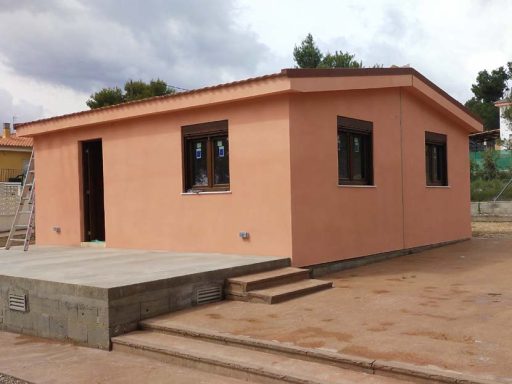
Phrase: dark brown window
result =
(355, 164)
(206, 156)
(436, 159)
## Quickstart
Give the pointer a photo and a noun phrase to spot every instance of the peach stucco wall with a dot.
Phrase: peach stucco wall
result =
(283, 170)
(434, 214)
(331, 222)
(144, 204)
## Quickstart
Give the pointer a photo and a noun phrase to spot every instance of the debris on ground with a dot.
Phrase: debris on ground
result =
(6, 379)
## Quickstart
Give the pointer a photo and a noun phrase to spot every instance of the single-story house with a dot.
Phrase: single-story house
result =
(505, 125)
(318, 165)
(14, 154)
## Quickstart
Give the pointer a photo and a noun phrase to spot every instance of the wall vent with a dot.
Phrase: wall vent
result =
(18, 302)
(210, 294)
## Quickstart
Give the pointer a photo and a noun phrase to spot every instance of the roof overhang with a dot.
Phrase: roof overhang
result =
(287, 81)
(503, 103)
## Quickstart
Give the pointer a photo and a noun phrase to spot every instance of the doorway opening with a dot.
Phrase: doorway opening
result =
(93, 200)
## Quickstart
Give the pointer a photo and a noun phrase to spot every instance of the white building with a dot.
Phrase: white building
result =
(505, 125)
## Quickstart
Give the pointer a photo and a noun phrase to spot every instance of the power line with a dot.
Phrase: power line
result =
(181, 89)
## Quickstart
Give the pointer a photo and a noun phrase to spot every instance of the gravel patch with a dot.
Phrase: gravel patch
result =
(6, 379)
(492, 229)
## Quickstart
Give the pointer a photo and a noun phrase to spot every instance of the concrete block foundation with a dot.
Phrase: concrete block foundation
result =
(89, 295)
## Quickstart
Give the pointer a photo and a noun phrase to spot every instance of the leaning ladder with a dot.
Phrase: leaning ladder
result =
(26, 208)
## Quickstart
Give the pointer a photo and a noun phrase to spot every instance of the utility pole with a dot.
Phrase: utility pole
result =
(13, 121)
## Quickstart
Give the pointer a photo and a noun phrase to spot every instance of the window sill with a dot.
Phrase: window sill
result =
(438, 186)
(206, 193)
(356, 186)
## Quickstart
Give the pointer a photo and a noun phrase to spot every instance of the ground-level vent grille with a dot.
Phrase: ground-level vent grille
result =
(17, 302)
(210, 294)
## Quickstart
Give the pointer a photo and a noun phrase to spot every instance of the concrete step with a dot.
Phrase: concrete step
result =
(287, 291)
(401, 371)
(242, 284)
(237, 362)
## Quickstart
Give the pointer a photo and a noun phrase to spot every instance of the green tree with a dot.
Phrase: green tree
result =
(105, 97)
(486, 111)
(340, 60)
(159, 88)
(307, 55)
(136, 90)
(133, 90)
(489, 88)
(474, 169)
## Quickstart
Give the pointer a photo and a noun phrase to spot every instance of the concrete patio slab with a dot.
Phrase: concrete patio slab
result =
(109, 267)
(88, 295)
(446, 308)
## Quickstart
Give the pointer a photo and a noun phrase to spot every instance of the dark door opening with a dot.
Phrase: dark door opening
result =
(92, 181)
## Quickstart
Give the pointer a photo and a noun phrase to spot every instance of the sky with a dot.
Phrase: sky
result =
(55, 53)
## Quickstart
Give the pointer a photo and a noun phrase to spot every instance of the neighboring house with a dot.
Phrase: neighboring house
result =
(505, 125)
(14, 154)
(318, 165)
(484, 140)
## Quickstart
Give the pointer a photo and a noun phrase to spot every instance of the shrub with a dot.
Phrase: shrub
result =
(486, 190)
(490, 168)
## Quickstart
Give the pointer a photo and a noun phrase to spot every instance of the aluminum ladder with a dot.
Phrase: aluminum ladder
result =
(25, 210)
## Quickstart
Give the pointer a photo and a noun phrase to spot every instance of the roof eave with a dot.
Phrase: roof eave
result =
(266, 86)
(288, 80)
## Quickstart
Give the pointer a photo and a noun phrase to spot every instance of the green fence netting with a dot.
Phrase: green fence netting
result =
(503, 159)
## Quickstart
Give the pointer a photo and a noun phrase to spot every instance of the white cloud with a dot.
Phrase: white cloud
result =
(55, 53)
(448, 41)
(17, 111)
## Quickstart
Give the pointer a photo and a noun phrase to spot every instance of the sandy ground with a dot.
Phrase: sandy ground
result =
(450, 307)
(45, 361)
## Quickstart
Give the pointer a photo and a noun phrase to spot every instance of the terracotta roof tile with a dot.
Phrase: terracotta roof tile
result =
(150, 99)
(287, 72)
(14, 141)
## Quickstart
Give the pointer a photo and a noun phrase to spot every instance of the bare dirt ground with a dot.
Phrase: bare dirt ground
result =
(492, 229)
(449, 307)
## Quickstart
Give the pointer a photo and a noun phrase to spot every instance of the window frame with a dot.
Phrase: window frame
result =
(355, 127)
(436, 140)
(204, 131)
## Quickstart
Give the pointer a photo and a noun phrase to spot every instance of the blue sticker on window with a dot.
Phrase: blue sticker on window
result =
(221, 151)
(198, 153)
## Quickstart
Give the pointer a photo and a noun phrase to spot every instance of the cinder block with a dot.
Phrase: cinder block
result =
(42, 304)
(41, 324)
(58, 327)
(77, 331)
(154, 307)
(98, 338)
(87, 314)
(18, 321)
(102, 318)
(120, 329)
(124, 314)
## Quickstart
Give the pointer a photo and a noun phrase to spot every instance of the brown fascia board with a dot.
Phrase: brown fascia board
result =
(349, 72)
